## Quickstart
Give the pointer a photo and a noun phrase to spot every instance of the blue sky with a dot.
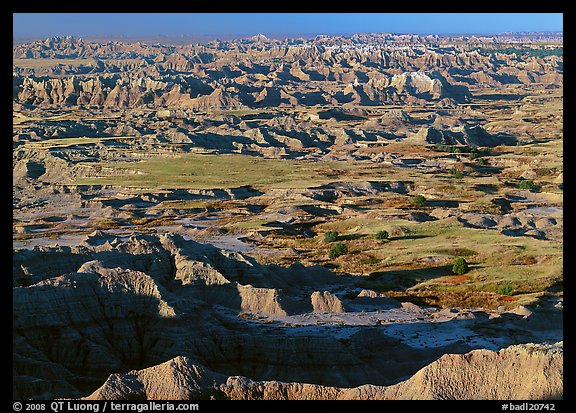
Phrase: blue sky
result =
(153, 24)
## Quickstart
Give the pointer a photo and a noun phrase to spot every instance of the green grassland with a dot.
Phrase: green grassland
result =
(200, 171)
(210, 171)
(418, 258)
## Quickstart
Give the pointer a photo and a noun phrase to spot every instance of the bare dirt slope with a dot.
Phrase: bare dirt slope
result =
(520, 372)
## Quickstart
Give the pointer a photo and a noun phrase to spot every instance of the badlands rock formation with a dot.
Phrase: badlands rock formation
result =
(82, 313)
(522, 372)
(170, 204)
(233, 74)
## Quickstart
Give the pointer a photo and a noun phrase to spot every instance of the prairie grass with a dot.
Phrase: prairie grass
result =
(492, 257)
(201, 171)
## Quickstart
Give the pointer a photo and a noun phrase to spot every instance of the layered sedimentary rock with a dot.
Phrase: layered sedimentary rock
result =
(144, 306)
(464, 135)
(326, 302)
(109, 305)
(376, 70)
(521, 372)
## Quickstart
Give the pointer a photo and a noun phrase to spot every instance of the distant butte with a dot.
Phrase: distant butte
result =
(259, 72)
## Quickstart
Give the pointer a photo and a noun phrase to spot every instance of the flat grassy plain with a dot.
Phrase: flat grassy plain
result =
(493, 257)
(199, 171)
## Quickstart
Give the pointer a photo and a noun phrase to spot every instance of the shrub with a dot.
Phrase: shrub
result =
(443, 148)
(527, 184)
(456, 173)
(369, 261)
(382, 235)
(460, 266)
(449, 148)
(481, 161)
(419, 201)
(330, 236)
(506, 289)
(337, 250)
